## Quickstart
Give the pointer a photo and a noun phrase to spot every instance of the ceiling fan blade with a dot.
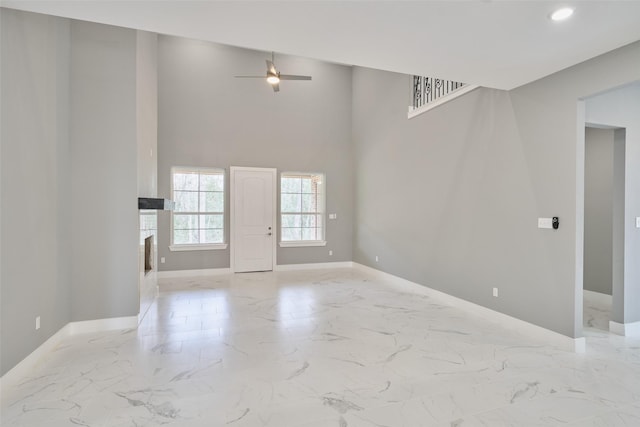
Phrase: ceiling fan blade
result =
(276, 87)
(249, 77)
(271, 68)
(293, 77)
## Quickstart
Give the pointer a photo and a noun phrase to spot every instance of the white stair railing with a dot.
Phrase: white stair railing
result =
(429, 92)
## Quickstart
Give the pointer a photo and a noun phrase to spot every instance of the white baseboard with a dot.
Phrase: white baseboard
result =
(577, 345)
(284, 267)
(314, 266)
(631, 329)
(99, 325)
(174, 274)
(597, 297)
(27, 364)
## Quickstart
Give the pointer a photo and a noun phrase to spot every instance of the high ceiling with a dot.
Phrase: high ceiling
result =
(499, 44)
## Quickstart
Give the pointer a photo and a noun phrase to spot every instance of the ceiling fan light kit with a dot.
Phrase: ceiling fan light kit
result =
(273, 76)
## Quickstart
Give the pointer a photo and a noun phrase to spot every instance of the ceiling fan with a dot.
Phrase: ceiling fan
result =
(273, 76)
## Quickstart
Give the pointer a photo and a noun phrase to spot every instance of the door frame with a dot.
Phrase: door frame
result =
(232, 230)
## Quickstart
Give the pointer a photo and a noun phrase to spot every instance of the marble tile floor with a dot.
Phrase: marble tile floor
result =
(322, 348)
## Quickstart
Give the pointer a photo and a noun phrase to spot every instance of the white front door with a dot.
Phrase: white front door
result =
(253, 204)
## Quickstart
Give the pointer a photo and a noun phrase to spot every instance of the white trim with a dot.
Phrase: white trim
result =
(631, 329)
(577, 345)
(598, 297)
(26, 365)
(442, 100)
(320, 209)
(99, 325)
(173, 274)
(156, 293)
(204, 247)
(314, 266)
(302, 243)
(198, 170)
(274, 226)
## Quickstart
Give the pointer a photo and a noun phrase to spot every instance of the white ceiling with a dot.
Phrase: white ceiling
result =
(500, 44)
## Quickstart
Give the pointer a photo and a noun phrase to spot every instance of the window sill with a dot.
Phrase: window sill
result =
(301, 244)
(212, 247)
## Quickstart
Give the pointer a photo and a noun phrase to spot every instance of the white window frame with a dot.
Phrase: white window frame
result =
(199, 246)
(320, 210)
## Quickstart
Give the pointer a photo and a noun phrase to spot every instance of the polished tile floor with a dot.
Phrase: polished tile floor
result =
(324, 348)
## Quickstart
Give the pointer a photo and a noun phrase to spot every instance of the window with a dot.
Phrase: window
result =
(302, 201)
(198, 218)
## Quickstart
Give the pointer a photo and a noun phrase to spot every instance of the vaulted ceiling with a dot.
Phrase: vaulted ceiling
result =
(499, 44)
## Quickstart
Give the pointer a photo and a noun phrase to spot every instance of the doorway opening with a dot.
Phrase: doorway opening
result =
(604, 206)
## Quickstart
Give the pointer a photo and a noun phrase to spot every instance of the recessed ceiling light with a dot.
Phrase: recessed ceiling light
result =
(561, 14)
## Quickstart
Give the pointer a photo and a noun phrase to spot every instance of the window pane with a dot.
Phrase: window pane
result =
(212, 202)
(309, 203)
(183, 237)
(149, 222)
(211, 221)
(289, 234)
(186, 201)
(213, 182)
(201, 193)
(211, 236)
(291, 203)
(290, 185)
(307, 185)
(310, 234)
(291, 220)
(308, 220)
(185, 181)
(184, 222)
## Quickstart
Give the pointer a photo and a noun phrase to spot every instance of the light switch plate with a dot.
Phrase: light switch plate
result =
(545, 223)
(333, 216)
(638, 222)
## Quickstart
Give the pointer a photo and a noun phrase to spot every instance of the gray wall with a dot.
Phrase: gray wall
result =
(147, 112)
(103, 209)
(621, 108)
(208, 118)
(598, 210)
(34, 182)
(450, 199)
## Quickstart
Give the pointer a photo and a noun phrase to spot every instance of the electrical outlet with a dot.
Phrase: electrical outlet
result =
(330, 252)
(377, 259)
(495, 292)
(37, 323)
(162, 260)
